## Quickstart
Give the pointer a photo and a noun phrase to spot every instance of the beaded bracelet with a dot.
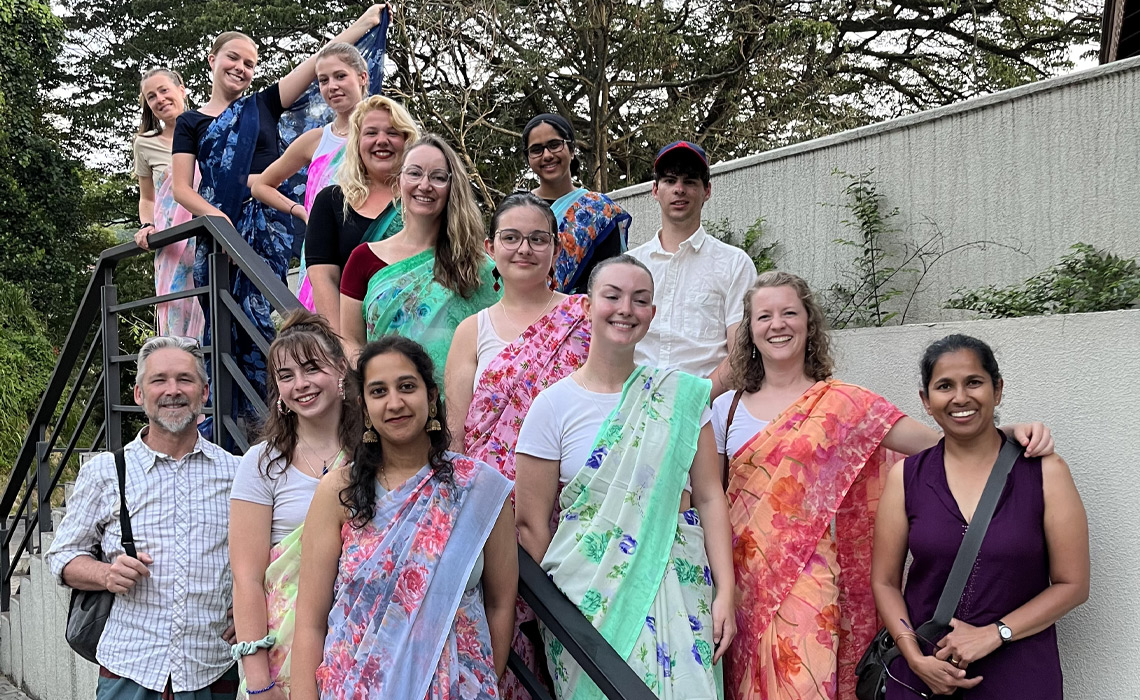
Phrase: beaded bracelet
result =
(266, 689)
(246, 648)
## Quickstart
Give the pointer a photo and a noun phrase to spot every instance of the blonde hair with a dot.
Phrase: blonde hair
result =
(352, 176)
(748, 365)
(226, 37)
(347, 53)
(459, 253)
(151, 125)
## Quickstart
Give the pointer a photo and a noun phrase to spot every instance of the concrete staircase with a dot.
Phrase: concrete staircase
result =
(33, 652)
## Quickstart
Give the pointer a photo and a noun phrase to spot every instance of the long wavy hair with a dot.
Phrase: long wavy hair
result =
(305, 337)
(359, 496)
(747, 363)
(352, 176)
(150, 125)
(459, 252)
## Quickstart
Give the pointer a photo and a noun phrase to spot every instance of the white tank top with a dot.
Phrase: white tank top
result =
(330, 142)
(488, 345)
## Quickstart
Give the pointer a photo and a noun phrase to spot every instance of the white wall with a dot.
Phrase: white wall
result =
(1080, 374)
(1038, 167)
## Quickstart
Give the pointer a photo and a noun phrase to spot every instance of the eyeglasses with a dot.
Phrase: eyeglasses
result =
(435, 178)
(887, 667)
(553, 145)
(512, 239)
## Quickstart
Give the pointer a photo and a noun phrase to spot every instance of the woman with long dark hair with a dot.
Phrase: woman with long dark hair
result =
(1033, 566)
(409, 568)
(312, 428)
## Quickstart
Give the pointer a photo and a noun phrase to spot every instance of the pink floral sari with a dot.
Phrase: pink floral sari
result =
(804, 606)
(174, 266)
(552, 348)
(403, 623)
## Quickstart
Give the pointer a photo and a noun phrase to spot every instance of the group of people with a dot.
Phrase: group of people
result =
(659, 428)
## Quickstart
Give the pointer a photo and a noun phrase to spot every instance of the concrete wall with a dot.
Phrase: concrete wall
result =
(1080, 374)
(1038, 168)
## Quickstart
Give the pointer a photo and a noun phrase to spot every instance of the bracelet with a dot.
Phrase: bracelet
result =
(144, 224)
(906, 635)
(292, 207)
(266, 689)
(246, 648)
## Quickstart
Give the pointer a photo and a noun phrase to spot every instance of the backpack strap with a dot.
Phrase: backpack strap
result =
(727, 425)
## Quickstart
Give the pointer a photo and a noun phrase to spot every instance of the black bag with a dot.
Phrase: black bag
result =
(89, 610)
(871, 672)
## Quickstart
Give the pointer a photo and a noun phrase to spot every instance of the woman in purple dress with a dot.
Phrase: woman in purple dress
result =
(1033, 566)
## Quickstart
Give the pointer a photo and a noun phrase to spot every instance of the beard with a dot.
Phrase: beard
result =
(176, 421)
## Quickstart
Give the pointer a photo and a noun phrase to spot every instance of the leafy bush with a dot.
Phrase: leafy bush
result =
(762, 254)
(1083, 281)
(26, 361)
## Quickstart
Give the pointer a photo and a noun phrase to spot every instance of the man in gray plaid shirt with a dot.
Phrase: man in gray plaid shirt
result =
(170, 628)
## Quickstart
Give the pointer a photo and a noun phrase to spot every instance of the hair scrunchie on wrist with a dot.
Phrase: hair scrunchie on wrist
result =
(246, 648)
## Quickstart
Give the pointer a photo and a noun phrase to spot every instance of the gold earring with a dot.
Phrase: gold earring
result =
(370, 434)
(433, 424)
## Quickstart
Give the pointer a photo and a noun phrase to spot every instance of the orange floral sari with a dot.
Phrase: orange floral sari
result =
(805, 610)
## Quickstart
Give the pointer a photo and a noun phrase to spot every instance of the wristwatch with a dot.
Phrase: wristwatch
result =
(1005, 632)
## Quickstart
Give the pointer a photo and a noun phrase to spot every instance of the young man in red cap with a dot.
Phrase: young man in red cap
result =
(699, 282)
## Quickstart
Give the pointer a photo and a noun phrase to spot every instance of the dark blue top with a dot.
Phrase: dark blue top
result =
(1012, 568)
(192, 126)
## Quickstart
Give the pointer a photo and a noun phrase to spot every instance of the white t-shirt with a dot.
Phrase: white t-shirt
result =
(563, 422)
(744, 424)
(488, 344)
(288, 492)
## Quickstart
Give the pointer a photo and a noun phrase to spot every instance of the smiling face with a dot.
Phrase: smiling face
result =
(551, 168)
(396, 399)
(961, 396)
(779, 324)
(341, 86)
(165, 98)
(523, 265)
(420, 195)
(381, 145)
(233, 65)
(308, 386)
(170, 390)
(620, 305)
(681, 197)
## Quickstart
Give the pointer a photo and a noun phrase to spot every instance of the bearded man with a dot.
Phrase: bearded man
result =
(170, 630)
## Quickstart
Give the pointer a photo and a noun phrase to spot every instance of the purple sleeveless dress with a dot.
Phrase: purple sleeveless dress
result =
(1012, 567)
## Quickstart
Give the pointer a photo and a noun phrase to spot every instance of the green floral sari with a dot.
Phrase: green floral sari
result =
(635, 567)
(405, 298)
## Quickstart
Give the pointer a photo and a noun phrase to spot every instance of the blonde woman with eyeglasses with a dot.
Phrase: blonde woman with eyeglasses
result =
(421, 282)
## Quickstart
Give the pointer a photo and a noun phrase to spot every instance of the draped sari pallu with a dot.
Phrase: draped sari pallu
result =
(552, 348)
(174, 265)
(585, 219)
(635, 567)
(405, 299)
(321, 173)
(281, 578)
(401, 624)
(805, 611)
(388, 224)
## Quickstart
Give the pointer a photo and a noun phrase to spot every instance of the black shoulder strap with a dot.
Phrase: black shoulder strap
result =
(727, 425)
(972, 542)
(124, 515)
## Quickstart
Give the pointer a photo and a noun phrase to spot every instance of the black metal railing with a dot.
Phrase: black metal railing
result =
(92, 411)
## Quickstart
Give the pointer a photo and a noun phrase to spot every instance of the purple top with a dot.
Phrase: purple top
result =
(1012, 567)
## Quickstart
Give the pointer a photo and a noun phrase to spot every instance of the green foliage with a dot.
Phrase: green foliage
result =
(1085, 280)
(26, 361)
(762, 254)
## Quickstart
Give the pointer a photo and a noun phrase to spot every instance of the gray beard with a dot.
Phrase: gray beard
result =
(176, 426)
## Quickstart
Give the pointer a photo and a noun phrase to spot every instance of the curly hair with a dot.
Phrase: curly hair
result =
(748, 365)
(352, 175)
(459, 256)
(359, 496)
(305, 337)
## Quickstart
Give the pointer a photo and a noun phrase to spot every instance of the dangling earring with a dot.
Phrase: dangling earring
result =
(753, 352)
(550, 280)
(340, 385)
(282, 408)
(809, 349)
(433, 424)
(497, 276)
(370, 434)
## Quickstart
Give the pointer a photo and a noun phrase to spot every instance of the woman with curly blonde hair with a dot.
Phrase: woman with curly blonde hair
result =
(421, 282)
(802, 453)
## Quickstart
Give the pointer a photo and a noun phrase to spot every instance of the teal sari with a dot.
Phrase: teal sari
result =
(405, 299)
(635, 567)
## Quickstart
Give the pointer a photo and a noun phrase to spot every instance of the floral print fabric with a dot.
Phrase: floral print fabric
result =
(174, 266)
(637, 570)
(402, 624)
(281, 603)
(552, 348)
(804, 606)
(585, 219)
(405, 298)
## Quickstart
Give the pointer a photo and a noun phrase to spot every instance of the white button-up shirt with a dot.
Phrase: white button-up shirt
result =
(169, 625)
(699, 292)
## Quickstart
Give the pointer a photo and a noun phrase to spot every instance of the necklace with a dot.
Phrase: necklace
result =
(324, 462)
(542, 313)
(591, 393)
(332, 128)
